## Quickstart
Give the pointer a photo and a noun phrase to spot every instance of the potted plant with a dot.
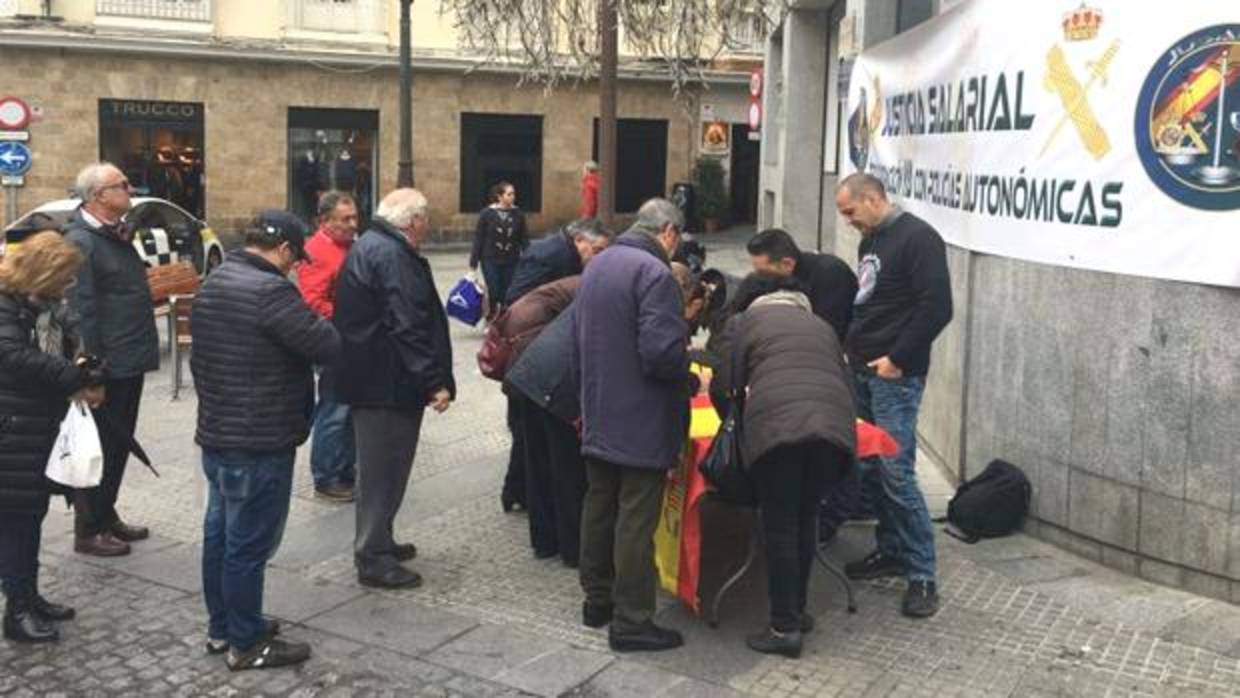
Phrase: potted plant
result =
(712, 196)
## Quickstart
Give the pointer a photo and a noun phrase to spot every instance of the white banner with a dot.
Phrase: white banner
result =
(1092, 136)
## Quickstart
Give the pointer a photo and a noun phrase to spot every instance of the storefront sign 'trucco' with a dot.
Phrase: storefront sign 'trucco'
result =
(1098, 135)
(130, 110)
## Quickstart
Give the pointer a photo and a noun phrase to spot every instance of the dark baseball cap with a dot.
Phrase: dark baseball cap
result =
(284, 226)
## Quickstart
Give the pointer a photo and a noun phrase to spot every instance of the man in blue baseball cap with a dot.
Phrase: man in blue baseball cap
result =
(255, 344)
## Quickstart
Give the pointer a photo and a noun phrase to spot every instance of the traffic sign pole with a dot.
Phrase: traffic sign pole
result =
(10, 204)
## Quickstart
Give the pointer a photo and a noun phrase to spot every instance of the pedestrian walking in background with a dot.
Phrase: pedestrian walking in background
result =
(499, 238)
(255, 346)
(332, 450)
(799, 434)
(112, 302)
(558, 255)
(38, 378)
(589, 189)
(396, 362)
(904, 301)
(629, 346)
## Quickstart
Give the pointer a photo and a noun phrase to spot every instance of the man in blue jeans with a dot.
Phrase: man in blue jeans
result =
(255, 343)
(904, 301)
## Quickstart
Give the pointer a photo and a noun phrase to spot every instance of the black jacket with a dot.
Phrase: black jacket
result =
(905, 298)
(393, 325)
(831, 286)
(34, 392)
(550, 259)
(112, 301)
(544, 372)
(255, 344)
(500, 236)
(799, 387)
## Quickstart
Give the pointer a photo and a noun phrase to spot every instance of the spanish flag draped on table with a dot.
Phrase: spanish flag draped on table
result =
(678, 538)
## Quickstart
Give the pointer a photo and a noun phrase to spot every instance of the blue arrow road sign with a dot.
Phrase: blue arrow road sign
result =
(14, 158)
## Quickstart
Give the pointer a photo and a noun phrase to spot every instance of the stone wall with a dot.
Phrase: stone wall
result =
(246, 107)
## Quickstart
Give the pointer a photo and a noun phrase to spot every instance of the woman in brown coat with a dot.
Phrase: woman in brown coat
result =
(798, 435)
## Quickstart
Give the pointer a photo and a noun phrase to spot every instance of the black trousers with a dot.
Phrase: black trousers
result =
(95, 508)
(790, 482)
(20, 537)
(555, 483)
(514, 478)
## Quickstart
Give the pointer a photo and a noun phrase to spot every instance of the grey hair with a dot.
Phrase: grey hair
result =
(656, 214)
(859, 183)
(589, 228)
(90, 178)
(331, 199)
(590, 166)
(402, 206)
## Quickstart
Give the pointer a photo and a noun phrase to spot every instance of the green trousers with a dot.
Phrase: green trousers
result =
(618, 519)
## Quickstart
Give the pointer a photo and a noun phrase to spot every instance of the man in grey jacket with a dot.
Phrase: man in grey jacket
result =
(112, 302)
(629, 347)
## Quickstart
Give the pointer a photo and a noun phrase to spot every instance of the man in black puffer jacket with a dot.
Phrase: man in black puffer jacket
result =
(255, 344)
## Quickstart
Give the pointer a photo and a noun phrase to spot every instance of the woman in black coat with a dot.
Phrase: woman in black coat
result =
(499, 239)
(37, 380)
(798, 434)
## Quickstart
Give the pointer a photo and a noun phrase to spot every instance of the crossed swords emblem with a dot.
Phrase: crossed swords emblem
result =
(1075, 97)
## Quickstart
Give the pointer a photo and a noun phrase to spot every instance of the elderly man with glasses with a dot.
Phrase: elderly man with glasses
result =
(112, 302)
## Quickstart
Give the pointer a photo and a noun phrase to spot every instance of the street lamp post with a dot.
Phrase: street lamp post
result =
(404, 171)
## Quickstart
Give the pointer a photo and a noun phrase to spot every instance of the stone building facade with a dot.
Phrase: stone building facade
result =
(226, 120)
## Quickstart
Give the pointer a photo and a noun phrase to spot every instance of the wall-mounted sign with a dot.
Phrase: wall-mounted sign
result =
(715, 138)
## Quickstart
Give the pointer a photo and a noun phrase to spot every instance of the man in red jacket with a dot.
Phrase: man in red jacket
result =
(332, 452)
(589, 190)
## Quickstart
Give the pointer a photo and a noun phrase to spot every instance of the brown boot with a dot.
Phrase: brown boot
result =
(129, 534)
(100, 545)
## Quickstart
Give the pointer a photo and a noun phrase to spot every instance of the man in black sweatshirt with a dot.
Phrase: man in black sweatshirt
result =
(903, 302)
(829, 283)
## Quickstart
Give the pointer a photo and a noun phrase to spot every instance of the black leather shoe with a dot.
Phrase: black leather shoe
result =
(101, 545)
(52, 611)
(596, 615)
(129, 534)
(647, 638)
(921, 599)
(405, 551)
(268, 654)
(394, 578)
(510, 503)
(339, 494)
(221, 646)
(875, 566)
(22, 624)
(771, 641)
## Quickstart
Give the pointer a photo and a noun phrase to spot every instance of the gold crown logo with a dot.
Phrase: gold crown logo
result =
(1082, 23)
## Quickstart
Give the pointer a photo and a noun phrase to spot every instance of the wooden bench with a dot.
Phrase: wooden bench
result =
(172, 290)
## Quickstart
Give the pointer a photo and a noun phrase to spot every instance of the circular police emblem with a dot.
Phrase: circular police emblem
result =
(1188, 120)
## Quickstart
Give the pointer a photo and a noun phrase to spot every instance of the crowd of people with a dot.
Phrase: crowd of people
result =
(593, 333)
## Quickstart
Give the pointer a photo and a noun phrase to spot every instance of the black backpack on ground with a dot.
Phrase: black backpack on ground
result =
(991, 505)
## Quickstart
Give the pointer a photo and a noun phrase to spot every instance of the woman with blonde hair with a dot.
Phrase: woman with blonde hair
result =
(38, 378)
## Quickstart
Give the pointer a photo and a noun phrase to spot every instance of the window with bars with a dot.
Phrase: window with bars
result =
(349, 16)
(747, 32)
(185, 10)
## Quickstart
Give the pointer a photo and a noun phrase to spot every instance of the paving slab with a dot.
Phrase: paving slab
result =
(392, 623)
(489, 650)
(551, 675)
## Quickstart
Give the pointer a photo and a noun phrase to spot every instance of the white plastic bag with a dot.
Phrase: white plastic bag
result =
(77, 456)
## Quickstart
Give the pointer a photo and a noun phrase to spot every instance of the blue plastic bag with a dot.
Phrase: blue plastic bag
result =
(465, 301)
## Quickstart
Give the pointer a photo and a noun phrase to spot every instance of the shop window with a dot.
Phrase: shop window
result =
(497, 147)
(159, 146)
(332, 149)
(641, 161)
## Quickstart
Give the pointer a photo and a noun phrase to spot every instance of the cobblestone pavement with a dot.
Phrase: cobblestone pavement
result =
(1019, 617)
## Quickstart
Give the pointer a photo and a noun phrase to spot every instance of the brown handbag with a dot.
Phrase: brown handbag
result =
(496, 350)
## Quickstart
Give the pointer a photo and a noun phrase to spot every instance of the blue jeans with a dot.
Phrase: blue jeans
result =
(247, 507)
(904, 529)
(332, 451)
